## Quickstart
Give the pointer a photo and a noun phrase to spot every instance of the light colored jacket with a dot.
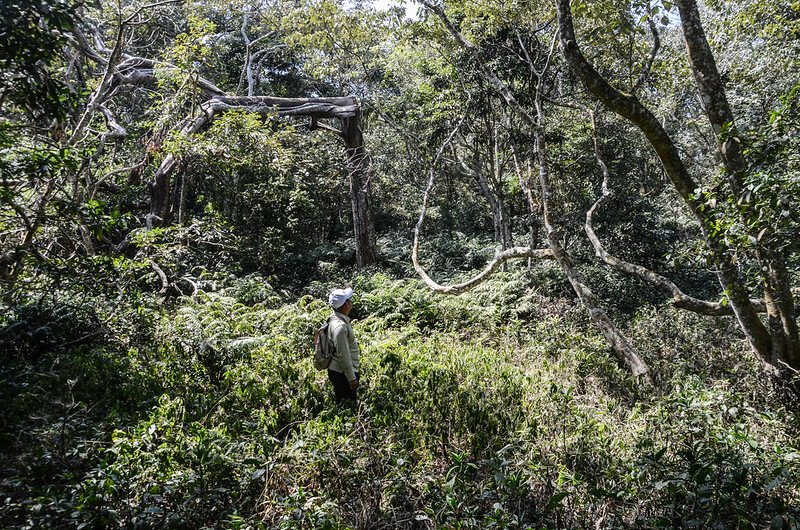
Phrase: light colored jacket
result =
(342, 338)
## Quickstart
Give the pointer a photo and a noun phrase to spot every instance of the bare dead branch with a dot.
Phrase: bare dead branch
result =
(115, 130)
(99, 95)
(314, 125)
(83, 45)
(499, 259)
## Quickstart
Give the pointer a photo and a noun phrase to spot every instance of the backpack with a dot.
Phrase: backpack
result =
(324, 351)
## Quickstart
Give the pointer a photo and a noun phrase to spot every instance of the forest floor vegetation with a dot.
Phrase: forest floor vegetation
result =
(501, 408)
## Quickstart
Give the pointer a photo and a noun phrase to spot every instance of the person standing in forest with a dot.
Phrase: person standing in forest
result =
(343, 370)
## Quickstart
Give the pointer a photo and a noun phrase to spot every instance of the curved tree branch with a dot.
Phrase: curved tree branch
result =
(630, 108)
(165, 284)
(679, 298)
(491, 267)
(499, 259)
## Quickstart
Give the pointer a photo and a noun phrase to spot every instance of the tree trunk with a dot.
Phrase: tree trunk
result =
(785, 343)
(533, 210)
(502, 230)
(618, 341)
(363, 226)
(159, 190)
(503, 218)
(631, 108)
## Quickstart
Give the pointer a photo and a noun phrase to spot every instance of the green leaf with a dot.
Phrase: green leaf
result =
(556, 499)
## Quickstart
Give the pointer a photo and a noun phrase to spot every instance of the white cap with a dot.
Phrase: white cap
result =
(338, 297)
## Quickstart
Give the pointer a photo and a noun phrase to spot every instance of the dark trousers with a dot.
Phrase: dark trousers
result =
(341, 386)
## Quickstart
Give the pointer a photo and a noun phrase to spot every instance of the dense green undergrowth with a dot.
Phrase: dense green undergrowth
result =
(502, 408)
